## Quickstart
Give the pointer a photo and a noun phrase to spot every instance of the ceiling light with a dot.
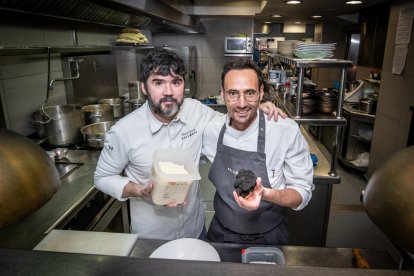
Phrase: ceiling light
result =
(293, 2)
(316, 16)
(353, 2)
(267, 22)
(277, 15)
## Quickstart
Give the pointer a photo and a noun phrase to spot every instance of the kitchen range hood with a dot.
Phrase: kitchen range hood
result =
(150, 14)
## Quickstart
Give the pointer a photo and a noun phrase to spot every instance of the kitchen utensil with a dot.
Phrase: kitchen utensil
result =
(368, 105)
(94, 134)
(134, 104)
(60, 153)
(135, 92)
(61, 123)
(187, 249)
(117, 104)
(387, 198)
(86, 242)
(98, 113)
(28, 177)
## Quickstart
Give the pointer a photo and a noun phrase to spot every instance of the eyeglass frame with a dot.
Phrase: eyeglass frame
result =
(256, 96)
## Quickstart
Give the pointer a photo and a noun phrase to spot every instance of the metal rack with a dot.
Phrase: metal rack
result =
(295, 111)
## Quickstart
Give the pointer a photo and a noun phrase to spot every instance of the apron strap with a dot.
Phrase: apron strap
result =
(262, 133)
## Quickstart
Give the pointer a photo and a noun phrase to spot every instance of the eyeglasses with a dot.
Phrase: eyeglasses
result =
(233, 96)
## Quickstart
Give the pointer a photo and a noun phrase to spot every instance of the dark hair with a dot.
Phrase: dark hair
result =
(161, 62)
(240, 64)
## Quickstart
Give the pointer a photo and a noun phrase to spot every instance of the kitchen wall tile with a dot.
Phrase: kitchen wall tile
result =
(213, 46)
(212, 69)
(216, 25)
(55, 37)
(165, 39)
(23, 96)
(19, 35)
(240, 26)
(126, 71)
(211, 89)
(26, 65)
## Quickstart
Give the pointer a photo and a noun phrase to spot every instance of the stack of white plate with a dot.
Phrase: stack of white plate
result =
(285, 47)
(313, 50)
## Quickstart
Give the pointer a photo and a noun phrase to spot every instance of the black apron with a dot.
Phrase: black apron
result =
(231, 223)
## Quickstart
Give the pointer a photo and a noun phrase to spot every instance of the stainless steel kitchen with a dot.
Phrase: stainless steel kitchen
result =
(73, 72)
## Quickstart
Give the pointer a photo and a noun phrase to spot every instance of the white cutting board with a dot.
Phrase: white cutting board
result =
(101, 243)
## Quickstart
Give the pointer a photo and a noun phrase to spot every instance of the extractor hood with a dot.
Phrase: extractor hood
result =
(152, 14)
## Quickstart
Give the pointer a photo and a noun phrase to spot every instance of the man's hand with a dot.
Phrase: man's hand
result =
(133, 189)
(272, 111)
(252, 201)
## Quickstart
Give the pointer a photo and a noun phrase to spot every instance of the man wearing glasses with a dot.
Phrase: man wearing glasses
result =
(276, 152)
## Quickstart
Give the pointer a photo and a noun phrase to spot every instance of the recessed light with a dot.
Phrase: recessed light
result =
(316, 16)
(298, 22)
(293, 2)
(353, 2)
(277, 15)
(267, 22)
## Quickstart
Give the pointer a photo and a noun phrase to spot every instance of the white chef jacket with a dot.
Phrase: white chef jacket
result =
(288, 160)
(130, 144)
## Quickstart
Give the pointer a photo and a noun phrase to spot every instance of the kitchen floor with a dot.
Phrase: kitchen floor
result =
(348, 226)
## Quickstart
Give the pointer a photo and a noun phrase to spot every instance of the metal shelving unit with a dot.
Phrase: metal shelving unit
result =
(295, 111)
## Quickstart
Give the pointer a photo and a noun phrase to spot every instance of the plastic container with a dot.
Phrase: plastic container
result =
(172, 188)
(265, 255)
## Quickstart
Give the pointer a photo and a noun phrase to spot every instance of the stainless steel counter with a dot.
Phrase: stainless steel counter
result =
(76, 187)
(294, 255)
(26, 262)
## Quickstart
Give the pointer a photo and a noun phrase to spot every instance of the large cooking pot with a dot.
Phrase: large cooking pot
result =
(28, 177)
(94, 134)
(117, 104)
(134, 104)
(96, 113)
(61, 123)
(388, 198)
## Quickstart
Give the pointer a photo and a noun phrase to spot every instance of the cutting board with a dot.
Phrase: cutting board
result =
(101, 243)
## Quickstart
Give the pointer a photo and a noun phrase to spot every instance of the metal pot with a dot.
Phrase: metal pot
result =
(98, 113)
(388, 198)
(94, 134)
(28, 177)
(134, 104)
(62, 123)
(368, 105)
(117, 104)
(135, 92)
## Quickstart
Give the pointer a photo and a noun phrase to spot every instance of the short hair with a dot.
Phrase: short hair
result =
(162, 62)
(240, 64)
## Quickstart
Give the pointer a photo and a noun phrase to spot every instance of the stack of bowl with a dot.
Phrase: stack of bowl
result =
(308, 102)
(327, 100)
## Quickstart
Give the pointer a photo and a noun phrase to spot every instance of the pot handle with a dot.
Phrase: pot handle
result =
(43, 122)
(95, 140)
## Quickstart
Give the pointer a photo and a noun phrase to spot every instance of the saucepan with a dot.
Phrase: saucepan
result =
(94, 134)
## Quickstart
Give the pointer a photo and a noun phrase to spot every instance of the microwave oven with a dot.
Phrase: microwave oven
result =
(238, 45)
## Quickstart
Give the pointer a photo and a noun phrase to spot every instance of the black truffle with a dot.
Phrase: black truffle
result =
(245, 182)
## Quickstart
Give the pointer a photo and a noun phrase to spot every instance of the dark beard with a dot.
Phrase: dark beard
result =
(156, 108)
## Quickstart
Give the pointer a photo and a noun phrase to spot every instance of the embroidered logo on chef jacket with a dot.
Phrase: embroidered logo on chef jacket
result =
(188, 134)
(110, 148)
